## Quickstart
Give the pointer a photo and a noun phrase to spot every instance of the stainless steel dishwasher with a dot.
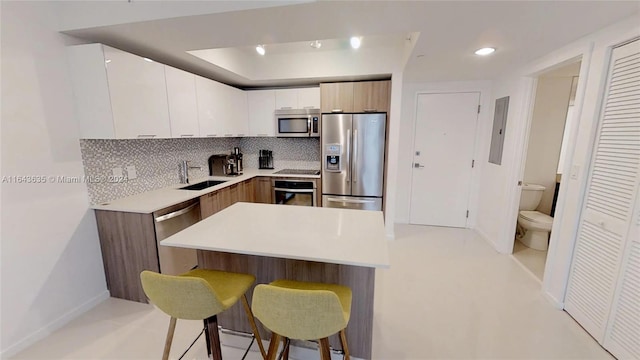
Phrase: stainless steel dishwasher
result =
(168, 221)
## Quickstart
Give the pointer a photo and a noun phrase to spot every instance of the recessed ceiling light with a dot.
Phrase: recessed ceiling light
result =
(485, 51)
(147, 59)
(107, 61)
(260, 49)
(355, 42)
(316, 44)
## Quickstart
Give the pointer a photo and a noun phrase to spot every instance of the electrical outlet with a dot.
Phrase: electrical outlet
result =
(117, 172)
(131, 172)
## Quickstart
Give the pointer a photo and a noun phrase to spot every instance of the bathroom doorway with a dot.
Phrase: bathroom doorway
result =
(546, 152)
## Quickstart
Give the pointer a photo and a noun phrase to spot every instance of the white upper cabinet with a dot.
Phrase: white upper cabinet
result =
(261, 104)
(118, 95)
(287, 99)
(183, 106)
(302, 98)
(309, 98)
(222, 109)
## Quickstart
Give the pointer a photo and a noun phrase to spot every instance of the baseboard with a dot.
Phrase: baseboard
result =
(555, 302)
(486, 238)
(53, 326)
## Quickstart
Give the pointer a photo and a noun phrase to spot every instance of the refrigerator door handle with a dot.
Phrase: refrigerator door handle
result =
(348, 167)
(350, 201)
(354, 167)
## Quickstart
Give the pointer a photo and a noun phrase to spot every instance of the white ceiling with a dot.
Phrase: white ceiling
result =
(449, 32)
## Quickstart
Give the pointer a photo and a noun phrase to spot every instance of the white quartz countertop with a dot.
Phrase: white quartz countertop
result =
(329, 235)
(159, 199)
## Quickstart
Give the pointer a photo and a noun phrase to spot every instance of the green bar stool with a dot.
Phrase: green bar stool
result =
(304, 311)
(199, 295)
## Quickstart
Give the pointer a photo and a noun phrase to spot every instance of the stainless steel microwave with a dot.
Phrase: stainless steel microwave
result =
(298, 123)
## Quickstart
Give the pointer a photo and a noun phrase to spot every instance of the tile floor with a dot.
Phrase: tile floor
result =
(533, 260)
(448, 294)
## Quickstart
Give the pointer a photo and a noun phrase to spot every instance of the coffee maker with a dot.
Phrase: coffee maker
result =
(236, 158)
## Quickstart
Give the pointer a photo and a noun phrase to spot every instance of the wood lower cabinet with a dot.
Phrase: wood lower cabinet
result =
(262, 190)
(128, 243)
(209, 204)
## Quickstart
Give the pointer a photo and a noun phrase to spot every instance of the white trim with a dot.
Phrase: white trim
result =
(486, 238)
(56, 324)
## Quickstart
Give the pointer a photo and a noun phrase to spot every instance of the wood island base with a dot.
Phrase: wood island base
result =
(360, 279)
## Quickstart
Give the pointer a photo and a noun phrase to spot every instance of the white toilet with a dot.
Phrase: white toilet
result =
(533, 226)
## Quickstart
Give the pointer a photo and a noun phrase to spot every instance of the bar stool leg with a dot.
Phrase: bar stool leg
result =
(213, 337)
(343, 342)
(285, 348)
(273, 346)
(252, 322)
(169, 339)
(325, 352)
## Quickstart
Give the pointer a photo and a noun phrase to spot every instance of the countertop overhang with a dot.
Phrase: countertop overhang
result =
(154, 200)
(328, 235)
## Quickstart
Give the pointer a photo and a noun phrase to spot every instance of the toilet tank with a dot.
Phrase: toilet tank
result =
(530, 196)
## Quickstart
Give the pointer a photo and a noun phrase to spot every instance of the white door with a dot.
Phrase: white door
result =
(604, 281)
(442, 159)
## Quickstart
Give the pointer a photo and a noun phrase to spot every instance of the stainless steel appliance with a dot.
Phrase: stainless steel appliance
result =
(298, 123)
(353, 148)
(223, 165)
(175, 261)
(236, 158)
(294, 192)
(297, 172)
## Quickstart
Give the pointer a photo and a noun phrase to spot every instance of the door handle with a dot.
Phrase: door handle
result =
(417, 165)
(354, 167)
(348, 167)
(175, 213)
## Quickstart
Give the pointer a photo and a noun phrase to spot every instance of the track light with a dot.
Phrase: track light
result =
(260, 49)
(355, 42)
(485, 51)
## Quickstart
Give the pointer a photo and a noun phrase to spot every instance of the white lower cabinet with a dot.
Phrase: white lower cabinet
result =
(118, 95)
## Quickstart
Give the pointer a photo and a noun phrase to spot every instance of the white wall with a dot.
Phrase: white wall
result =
(410, 92)
(51, 267)
(545, 136)
(500, 194)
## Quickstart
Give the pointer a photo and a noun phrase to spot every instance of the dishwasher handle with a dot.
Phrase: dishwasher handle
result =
(176, 213)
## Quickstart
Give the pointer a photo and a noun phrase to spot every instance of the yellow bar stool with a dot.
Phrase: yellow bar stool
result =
(304, 311)
(199, 295)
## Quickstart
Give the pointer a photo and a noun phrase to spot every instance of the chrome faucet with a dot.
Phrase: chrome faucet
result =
(183, 171)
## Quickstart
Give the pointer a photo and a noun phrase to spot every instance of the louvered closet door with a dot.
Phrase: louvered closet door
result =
(604, 230)
(622, 337)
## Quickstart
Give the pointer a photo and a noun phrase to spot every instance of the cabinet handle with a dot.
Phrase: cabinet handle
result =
(240, 134)
(369, 110)
(211, 135)
(146, 136)
(228, 135)
(263, 134)
(337, 110)
(186, 135)
(309, 107)
(286, 108)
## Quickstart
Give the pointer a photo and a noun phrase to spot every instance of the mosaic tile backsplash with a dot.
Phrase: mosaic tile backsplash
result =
(156, 160)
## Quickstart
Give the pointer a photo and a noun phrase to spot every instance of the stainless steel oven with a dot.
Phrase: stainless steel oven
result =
(294, 192)
(298, 122)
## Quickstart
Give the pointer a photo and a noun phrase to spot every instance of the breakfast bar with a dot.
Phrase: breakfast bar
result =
(298, 243)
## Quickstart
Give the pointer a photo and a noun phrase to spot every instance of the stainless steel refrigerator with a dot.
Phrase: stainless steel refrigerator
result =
(353, 160)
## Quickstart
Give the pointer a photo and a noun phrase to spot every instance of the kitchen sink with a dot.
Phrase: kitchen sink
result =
(202, 185)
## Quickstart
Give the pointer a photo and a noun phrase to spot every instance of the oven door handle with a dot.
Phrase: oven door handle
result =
(309, 191)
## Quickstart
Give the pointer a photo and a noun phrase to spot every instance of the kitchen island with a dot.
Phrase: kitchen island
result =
(298, 243)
